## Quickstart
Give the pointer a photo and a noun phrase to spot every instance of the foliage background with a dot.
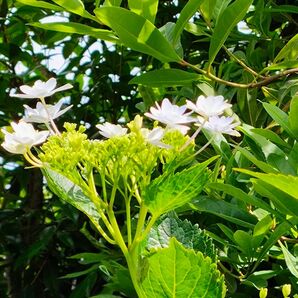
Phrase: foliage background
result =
(39, 234)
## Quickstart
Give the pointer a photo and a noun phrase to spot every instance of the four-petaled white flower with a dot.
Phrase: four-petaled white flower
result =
(171, 115)
(154, 136)
(208, 106)
(23, 138)
(42, 114)
(41, 89)
(222, 125)
(110, 130)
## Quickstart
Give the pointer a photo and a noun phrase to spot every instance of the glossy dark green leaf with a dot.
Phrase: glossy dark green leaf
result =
(229, 18)
(145, 8)
(71, 27)
(137, 33)
(166, 78)
(186, 13)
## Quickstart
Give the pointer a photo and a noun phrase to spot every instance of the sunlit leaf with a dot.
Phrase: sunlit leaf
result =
(145, 8)
(289, 51)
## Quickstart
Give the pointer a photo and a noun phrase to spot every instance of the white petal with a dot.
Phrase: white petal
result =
(26, 89)
(64, 87)
(50, 84)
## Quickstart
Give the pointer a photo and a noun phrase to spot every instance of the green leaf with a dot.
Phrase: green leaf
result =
(293, 120)
(245, 242)
(71, 193)
(225, 210)
(41, 4)
(80, 273)
(265, 167)
(172, 190)
(186, 13)
(291, 260)
(189, 235)
(76, 7)
(71, 27)
(289, 51)
(179, 272)
(230, 17)
(279, 116)
(112, 3)
(145, 8)
(166, 78)
(137, 33)
(271, 136)
(285, 183)
(243, 196)
(207, 8)
(281, 66)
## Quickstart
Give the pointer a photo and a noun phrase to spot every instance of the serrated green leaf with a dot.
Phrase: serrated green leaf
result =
(41, 4)
(189, 235)
(230, 17)
(179, 272)
(145, 8)
(71, 27)
(289, 51)
(186, 13)
(172, 190)
(293, 121)
(279, 116)
(71, 193)
(166, 78)
(137, 33)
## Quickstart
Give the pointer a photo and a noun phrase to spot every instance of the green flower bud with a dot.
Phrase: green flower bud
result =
(263, 293)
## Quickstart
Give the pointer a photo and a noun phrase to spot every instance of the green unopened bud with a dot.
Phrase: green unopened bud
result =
(263, 293)
(286, 290)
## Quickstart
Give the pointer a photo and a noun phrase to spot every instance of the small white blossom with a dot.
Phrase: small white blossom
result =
(154, 136)
(41, 89)
(208, 106)
(222, 125)
(171, 115)
(42, 114)
(23, 137)
(110, 130)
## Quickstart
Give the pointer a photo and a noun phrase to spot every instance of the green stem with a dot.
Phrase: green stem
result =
(128, 221)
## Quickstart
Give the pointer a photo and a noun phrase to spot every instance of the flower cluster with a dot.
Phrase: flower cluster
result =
(24, 136)
(206, 112)
(209, 116)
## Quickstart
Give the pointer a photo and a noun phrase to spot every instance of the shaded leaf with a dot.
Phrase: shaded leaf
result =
(291, 260)
(293, 121)
(166, 77)
(189, 235)
(71, 27)
(289, 51)
(229, 18)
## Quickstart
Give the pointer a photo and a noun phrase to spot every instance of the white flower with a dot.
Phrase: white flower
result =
(222, 125)
(23, 137)
(209, 106)
(171, 115)
(41, 89)
(110, 130)
(43, 115)
(154, 136)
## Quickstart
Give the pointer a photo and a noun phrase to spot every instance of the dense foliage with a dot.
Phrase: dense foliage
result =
(122, 57)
